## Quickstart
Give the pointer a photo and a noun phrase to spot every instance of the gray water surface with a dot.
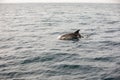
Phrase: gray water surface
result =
(30, 50)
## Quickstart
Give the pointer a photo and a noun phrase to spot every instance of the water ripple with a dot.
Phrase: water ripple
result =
(50, 57)
(29, 49)
(75, 69)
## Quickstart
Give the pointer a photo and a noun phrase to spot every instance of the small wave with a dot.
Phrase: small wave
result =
(2, 65)
(18, 48)
(85, 17)
(76, 69)
(6, 39)
(15, 74)
(50, 57)
(26, 25)
(113, 74)
(104, 59)
(55, 73)
(21, 47)
(101, 14)
(67, 66)
(37, 59)
(110, 43)
(49, 23)
(112, 78)
(56, 33)
(112, 22)
(55, 49)
(91, 34)
(112, 31)
(83, 23)
(5, 46)
(118, 63)
(9, 74)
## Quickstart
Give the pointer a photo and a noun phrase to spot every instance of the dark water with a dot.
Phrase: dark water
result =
(30, 50)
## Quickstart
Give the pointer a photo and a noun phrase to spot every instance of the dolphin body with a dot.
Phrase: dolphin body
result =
(71, 36)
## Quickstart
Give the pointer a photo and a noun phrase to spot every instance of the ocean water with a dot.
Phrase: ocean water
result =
(30, 50)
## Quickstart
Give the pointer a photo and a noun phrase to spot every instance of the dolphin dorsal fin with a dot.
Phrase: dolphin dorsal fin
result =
(76, 32)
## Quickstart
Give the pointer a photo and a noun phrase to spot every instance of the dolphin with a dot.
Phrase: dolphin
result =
(71, 36)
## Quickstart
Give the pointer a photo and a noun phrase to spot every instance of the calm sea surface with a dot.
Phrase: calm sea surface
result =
(30, 50)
